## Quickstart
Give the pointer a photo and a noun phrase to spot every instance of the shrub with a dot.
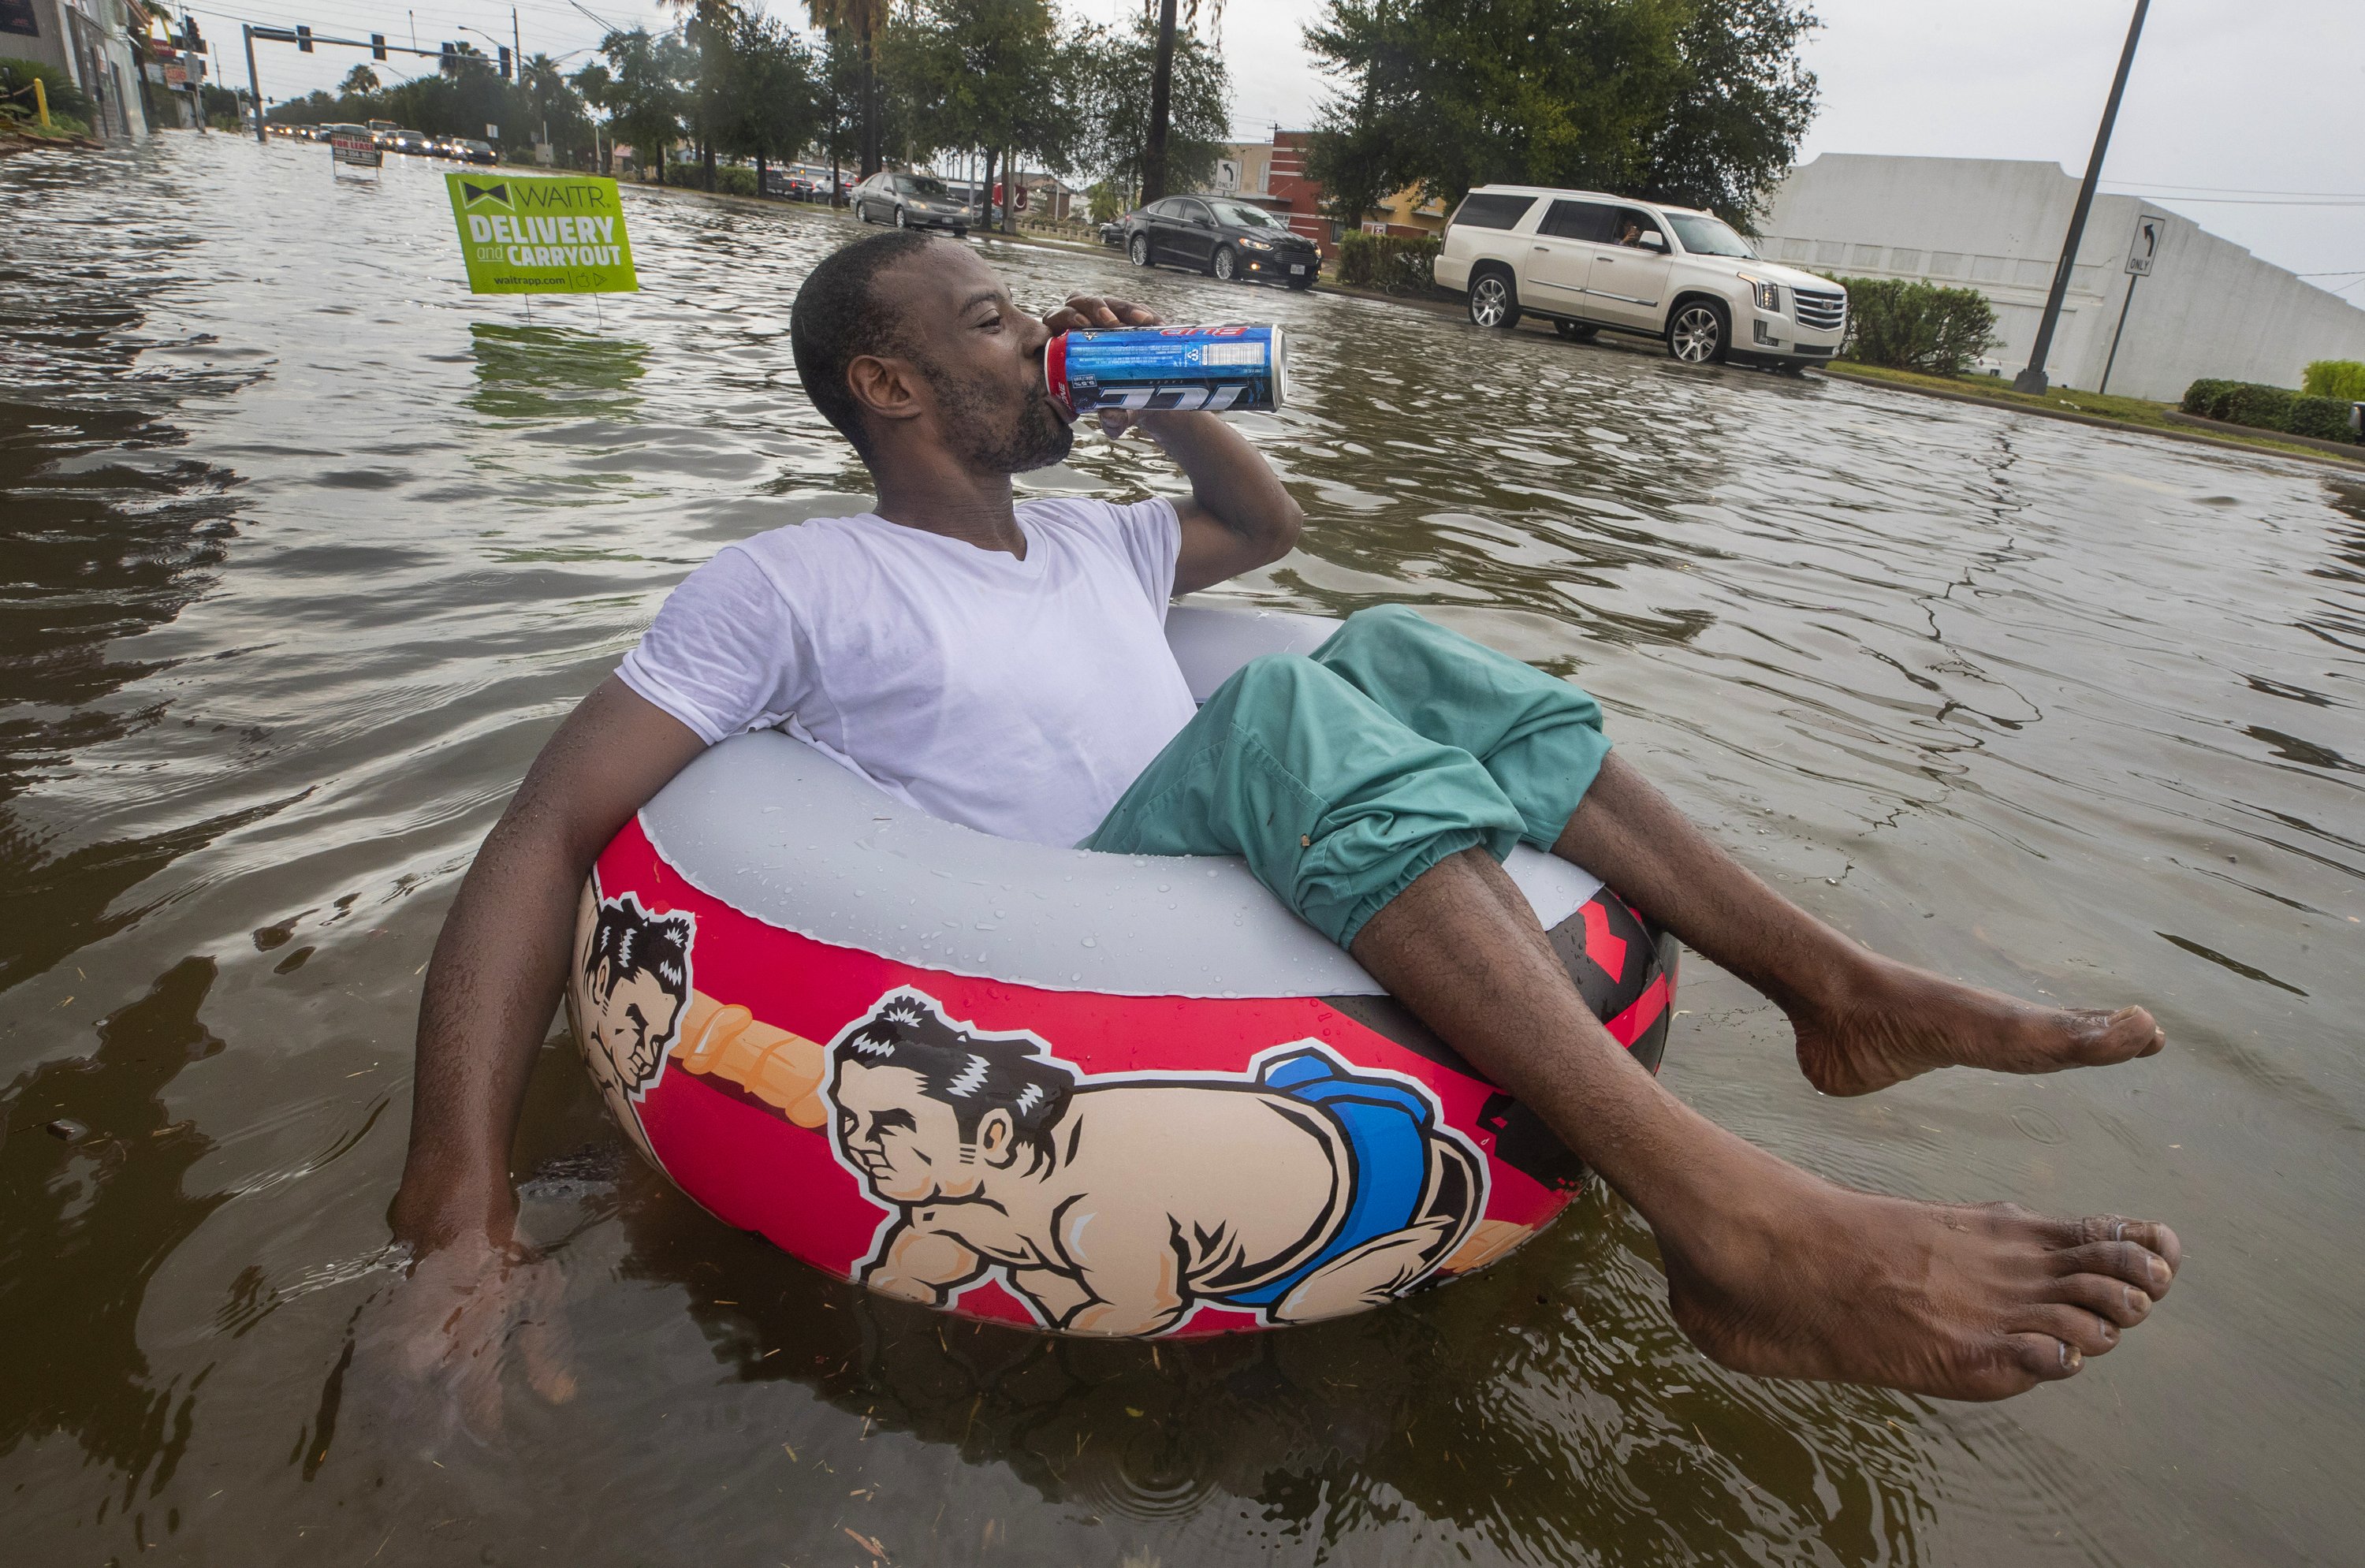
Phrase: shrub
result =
(16, 88)
(1394, 264)
(2339, 378)
(2204, 395)
(1917, 326)
(731, 180)
(2261, 407)
(2327, 419)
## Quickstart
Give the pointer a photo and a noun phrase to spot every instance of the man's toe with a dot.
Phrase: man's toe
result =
(2129, 1260)
(2105, 1296)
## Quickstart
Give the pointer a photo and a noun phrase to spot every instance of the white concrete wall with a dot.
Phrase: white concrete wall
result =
(2208, 309)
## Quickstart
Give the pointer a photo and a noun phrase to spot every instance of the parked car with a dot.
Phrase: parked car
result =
(1224, 239)
(1112, 232)
(1592, 263)
(910, 201)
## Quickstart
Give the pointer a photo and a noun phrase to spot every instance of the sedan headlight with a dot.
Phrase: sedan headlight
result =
(1255, 244)
(1769, 295)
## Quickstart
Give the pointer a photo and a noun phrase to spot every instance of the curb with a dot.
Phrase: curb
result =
(2329, 456)
(2348, 449)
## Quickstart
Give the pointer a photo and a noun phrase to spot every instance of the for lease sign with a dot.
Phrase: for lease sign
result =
(541, 234)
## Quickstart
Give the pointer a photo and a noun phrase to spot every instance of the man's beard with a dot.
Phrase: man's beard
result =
(991, 430)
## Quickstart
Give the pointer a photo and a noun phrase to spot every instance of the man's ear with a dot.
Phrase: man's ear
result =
(997, 1139)
(889, 388)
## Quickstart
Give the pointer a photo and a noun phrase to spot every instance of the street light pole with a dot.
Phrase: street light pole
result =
(2032, 379)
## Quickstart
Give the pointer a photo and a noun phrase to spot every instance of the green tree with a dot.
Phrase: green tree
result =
(772, 108)
(1744, 102)
(1358, 157)
(996, 76)
(1113, 83)
(555, 109)
(360, 80)
(647, 91)
(843, 73)
(1691, 101)
(862, 21)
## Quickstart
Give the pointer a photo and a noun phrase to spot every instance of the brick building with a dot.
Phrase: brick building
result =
(1273, 175)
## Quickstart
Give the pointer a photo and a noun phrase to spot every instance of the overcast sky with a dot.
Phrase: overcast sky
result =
(2250, 104)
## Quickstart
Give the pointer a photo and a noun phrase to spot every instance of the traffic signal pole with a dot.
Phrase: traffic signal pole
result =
(253, 87)
(2032, 379)
(303, 38)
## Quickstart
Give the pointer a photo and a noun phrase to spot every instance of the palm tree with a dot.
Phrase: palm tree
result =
(864, 18)
(359, 81)
(1161, 91)
(708, 25)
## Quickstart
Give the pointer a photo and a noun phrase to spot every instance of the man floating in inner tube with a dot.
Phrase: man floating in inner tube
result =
(1116, 1206)
(1002, 663)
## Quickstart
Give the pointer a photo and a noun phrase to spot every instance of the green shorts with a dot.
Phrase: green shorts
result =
(1343, 775)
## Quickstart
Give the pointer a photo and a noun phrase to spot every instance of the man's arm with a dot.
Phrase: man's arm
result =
(922, 1265)
(499, 966)
(1238, 517)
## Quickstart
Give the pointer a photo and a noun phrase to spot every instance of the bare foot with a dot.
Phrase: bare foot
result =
(1893, 1022)
(1815, 1281)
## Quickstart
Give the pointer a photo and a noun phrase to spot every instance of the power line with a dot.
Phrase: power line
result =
(2244, 201)
(2237, 190)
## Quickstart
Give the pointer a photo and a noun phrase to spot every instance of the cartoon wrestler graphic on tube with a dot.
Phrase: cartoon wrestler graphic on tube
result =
(1116, 1204)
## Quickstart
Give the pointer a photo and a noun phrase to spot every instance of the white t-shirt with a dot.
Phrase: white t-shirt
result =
(1019, 698)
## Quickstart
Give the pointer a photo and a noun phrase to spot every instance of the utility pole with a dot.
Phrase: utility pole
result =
(2033, 378)
(191, 67)
(1162, 107)
(253, 87)
(517, 48)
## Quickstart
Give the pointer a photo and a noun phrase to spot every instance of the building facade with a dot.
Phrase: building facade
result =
(1272, 174)
(2154, 298)
(92, 41)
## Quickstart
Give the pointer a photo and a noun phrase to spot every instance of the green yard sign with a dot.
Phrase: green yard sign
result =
(541, 234)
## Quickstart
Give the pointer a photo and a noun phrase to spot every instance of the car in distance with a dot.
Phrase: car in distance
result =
(1592, 263)
(911, 201)
(471, 150)
(1224, 239)
(409, 141)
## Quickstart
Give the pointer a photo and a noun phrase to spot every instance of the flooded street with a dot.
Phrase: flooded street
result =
(307, 550)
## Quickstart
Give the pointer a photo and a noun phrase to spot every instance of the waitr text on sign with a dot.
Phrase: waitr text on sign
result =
(541, 234)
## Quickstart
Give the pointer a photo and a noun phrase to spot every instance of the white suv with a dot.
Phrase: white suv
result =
(1591, 261)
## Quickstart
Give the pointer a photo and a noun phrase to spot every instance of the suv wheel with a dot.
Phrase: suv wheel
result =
(1696, 334)
(1137, 249)
(1577, 331)
(1493, 300)
(1225, 266)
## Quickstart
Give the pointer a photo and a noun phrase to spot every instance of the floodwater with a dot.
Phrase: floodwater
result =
(307, 551)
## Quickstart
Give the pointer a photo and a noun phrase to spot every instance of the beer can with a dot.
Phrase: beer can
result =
(1234, 369)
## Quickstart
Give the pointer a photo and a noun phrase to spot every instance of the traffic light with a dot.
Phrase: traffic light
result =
(450, 62)
(377, 46)
(303, 38)
(504, 62)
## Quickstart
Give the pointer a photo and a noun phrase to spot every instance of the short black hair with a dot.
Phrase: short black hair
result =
(631, 940)
(838, 319)
(972, 1073)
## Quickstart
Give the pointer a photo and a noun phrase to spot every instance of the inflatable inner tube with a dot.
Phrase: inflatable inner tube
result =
(1095, 1094)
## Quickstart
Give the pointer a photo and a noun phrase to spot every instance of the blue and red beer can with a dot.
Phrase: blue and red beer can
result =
(1229, 369)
